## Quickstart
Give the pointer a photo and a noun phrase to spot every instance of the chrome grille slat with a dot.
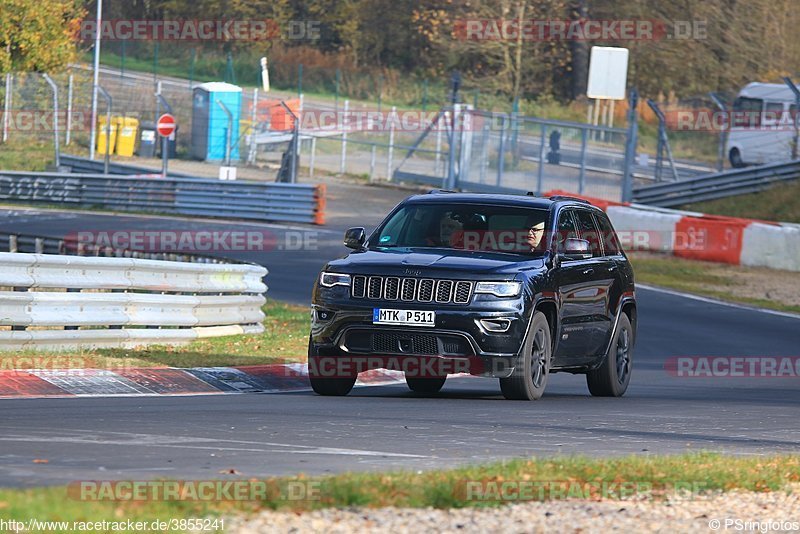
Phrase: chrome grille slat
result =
(425, 290)
(409, 289)
(374, 287)
(391, 288)
(359, 286)
(395, 288)
(444, 289)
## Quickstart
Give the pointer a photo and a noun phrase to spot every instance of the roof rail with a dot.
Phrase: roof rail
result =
(565, 197)
(440, 191)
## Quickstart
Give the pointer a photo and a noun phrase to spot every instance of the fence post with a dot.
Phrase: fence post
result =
(107, 98)
(501, 160)
(251, 157)
(391, 144)
(313, 156)
(484, 151)
(54, 87)
(437, 161)
(540, 178)
(7, 104)
(343, 165)
(723, 135)
(630, 147)
(582, 175)
(69, 110)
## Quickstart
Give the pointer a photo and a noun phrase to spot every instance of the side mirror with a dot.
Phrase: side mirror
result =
(576, 249)
(355, 238)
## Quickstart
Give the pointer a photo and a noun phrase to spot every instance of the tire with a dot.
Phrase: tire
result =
(612, 378)
(735, 158)
(425, 385)
(326, 385)
(532, 367)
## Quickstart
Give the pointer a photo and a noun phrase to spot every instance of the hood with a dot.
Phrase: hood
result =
(429, 262)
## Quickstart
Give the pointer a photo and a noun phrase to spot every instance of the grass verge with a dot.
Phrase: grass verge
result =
(654, 477)
(761, 287)
(285, 337)
(780, 203)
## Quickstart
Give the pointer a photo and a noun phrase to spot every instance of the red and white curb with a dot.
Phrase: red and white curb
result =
(273, 378)
(703, 237)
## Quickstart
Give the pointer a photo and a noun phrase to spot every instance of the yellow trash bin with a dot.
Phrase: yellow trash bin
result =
(101, 135)
(127, 128)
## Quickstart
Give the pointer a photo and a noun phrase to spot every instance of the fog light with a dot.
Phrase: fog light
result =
(496, 325)
(324, 315)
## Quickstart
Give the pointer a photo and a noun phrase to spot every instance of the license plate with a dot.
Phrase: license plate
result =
(403, 317)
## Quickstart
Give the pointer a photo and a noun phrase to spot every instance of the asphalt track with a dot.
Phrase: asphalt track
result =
(387, 427)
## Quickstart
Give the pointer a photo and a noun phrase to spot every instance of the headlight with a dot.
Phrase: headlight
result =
(499, 289)
(334, 279)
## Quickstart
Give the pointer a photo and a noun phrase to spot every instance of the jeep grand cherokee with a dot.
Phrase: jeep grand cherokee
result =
(511, 287)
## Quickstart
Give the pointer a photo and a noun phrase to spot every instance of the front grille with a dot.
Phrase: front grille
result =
(412, 289)
(394, 343)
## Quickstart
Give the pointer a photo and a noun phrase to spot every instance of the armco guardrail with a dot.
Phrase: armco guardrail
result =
(262, 201)
(35, 244)
(719, 185)
(53, 301)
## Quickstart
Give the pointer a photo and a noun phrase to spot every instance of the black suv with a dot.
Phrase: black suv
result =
(511, 287)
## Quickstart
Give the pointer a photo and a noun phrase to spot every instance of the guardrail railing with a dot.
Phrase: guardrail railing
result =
(718, 185)
(54, 301)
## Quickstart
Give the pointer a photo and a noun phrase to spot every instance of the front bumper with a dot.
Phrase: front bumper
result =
(339, 322)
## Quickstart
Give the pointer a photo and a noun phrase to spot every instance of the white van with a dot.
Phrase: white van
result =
(761, 129)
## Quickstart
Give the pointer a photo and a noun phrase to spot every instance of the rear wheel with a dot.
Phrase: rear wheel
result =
(611, 379)
(319, 371)
(736, 158)
(532, 367)
(425, 385)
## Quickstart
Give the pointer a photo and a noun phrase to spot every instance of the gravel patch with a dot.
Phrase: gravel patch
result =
(780, 509)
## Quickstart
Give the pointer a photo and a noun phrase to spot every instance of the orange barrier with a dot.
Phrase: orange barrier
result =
(710, 238)
(279, 118)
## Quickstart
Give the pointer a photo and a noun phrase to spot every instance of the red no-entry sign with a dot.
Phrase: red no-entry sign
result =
(166, 125)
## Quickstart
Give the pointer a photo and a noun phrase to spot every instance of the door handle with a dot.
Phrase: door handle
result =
(588, 271)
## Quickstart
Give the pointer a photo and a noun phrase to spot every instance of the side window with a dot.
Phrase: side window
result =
(588, 231)
(608, 235)
(747, 111)
(566, 229)
(772, 113)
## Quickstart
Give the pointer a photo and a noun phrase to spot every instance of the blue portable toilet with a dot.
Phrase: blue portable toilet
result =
(210, 122)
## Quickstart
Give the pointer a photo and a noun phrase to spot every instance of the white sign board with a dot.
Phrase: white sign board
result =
(608, 73)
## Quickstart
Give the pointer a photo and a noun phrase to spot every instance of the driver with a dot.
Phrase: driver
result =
(534, 230)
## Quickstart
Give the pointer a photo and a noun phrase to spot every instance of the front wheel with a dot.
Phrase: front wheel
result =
(611, 379)
(532, 367)
(735, 158)
(319, 375)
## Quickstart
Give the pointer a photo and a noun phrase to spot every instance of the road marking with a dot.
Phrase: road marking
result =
(715, 301)
(189, 442)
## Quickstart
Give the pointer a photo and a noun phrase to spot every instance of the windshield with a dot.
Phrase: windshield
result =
(478, 228)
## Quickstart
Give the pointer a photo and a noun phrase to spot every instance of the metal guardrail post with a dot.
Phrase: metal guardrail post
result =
(501, 150)
(345, 124)
(160, 100)
(7, 104)
(630, 146)
(788, 81)
(663, 142)
(391, 144)
(54, 87)
(450, 182)
(109, 104)
(295, 140)
(582, 172)
(540, 177)
(70, 84)
(723, 136)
